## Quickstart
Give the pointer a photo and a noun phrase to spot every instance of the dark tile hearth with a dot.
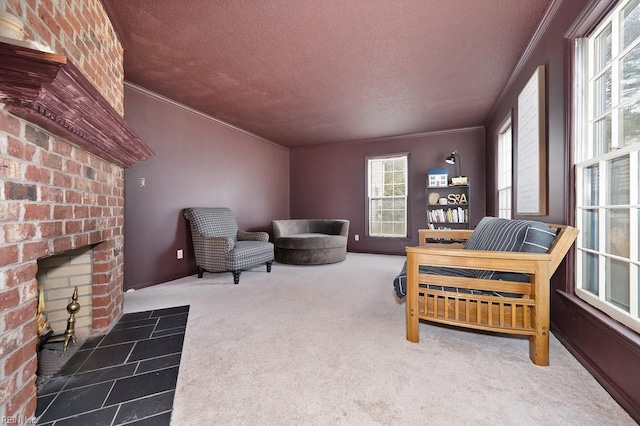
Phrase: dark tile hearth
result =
(126, 377)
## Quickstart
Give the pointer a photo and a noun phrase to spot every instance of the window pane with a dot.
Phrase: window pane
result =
(398, 164)
(590, 272)
(630, 22)
(603, 49)
(630, 73)
(590, 238)
(375, 228)
(399, 229)
(504, 203)
(602, 136)
(630, 123)
(374, 210)
(602, 94)
(591, 176)
(375, 178)
(617, 238)
(387, 228)
(637, 272)
(617, 283)
(618, 181)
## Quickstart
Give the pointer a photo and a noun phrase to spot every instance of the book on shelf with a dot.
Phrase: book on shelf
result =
(452, 215)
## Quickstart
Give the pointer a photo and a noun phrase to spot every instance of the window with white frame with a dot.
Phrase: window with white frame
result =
(387, 196)
(607, 150)
(505, 145)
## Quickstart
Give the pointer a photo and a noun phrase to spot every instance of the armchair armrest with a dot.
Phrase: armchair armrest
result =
(253, 236)
(217, 244)
(344, 229)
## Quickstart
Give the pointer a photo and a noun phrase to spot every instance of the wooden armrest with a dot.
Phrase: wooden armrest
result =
(526, 263)
(447, 238)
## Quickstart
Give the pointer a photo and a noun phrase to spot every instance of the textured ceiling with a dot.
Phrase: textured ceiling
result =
(300, 73)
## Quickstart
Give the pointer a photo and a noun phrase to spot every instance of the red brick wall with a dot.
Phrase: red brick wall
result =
(81, 30)
(55, 197)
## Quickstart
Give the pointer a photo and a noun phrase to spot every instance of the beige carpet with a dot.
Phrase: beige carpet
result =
(325, 345)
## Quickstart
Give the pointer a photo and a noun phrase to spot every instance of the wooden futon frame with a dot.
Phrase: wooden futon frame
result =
(526, 313)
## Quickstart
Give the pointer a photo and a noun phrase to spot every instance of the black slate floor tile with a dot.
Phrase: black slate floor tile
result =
(101, 375)
(91, 342)
(43, 403)
(168, 332)
(145, 407)
(143, 385)
(76, 401)
(134, 323)
(163, 419)
(127, 335)
(54, 385)
(135, 316)
(103, 417)
(76, 361)
(154, 348)
(159, 363)
(172, 321)
(106, 357)
(170, 311)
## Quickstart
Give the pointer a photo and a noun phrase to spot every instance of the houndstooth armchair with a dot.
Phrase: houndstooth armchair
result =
(220, 246)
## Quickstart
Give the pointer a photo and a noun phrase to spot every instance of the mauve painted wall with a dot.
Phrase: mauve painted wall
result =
(197, 162)
(331, 181)
(610, 351)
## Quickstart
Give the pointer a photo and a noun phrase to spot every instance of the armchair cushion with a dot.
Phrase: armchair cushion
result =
(252, 236)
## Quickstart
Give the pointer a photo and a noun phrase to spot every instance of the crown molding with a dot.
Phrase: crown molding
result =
(528, 51)
(392, 138)
(176, 104)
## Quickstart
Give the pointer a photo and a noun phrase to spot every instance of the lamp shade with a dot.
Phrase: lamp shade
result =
(451, 159)
(454, 159)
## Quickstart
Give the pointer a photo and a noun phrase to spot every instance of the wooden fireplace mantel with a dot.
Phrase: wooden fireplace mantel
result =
(48, 90)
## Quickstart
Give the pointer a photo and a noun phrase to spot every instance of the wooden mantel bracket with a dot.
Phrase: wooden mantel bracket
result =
(48, 90)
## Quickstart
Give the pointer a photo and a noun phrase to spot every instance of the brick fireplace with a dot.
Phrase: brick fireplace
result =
(62, 184)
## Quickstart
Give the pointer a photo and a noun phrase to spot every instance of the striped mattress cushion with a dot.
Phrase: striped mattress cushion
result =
(497, 234)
